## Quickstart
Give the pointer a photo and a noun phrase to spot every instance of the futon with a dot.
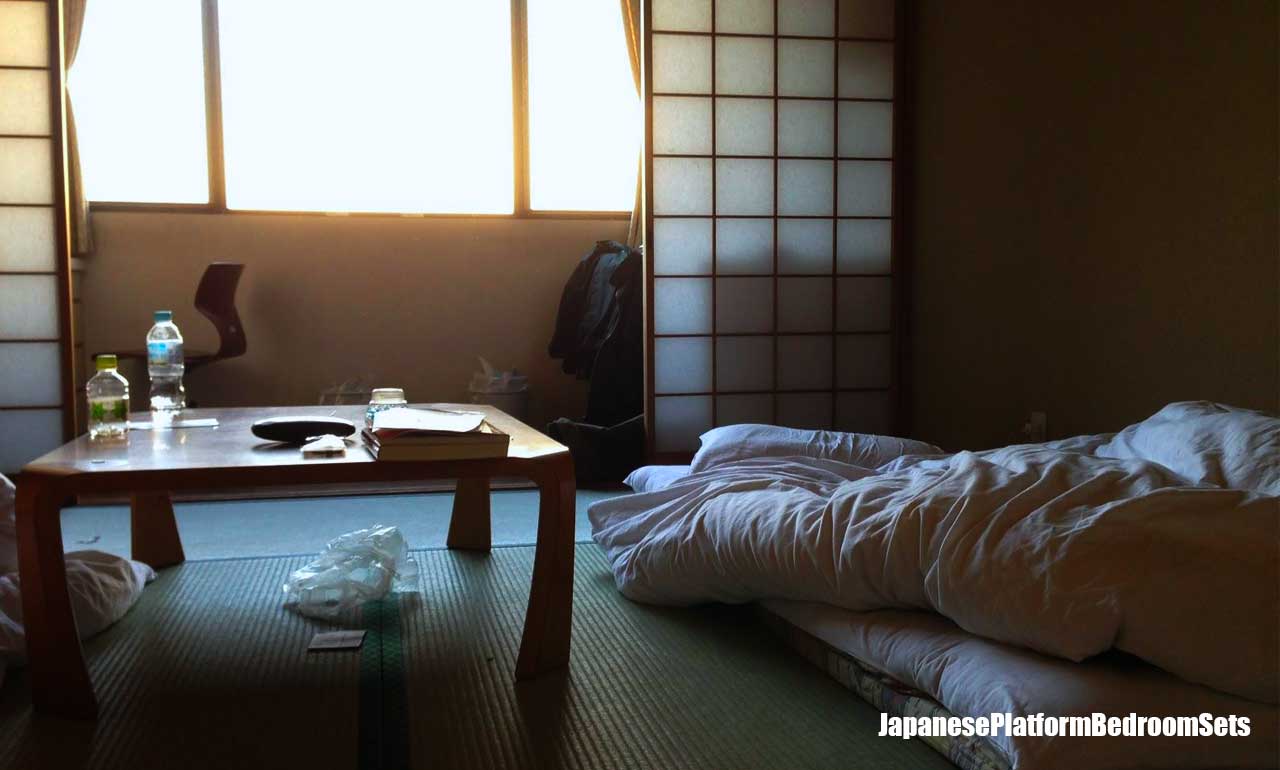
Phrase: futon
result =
(1129, 572)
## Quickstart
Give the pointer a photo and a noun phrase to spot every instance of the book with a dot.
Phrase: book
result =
(433, 434)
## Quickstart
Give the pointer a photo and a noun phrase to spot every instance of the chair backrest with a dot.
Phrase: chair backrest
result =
(216, 300)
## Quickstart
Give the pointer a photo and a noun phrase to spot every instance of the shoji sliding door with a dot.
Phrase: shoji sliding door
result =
(36, 390)
(770, 215)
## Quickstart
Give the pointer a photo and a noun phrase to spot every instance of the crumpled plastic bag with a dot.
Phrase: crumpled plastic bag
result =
(354, 568)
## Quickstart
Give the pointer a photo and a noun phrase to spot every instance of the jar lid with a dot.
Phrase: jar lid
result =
(387, 396)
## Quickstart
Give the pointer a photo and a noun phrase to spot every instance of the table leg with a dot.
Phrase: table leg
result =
(60, 681)
(469, 525)
(154, 530)
(545, 643)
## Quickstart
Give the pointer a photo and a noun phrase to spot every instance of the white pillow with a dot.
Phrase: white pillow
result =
(739, 442)
(1206, 443)
(651, 478)
(102, 588)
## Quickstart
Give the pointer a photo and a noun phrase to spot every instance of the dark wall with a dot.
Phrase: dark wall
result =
(1095, 197)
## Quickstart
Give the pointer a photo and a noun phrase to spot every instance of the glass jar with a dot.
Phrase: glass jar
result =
(382, 400)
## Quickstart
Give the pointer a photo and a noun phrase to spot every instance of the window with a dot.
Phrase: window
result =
(584, 118)
(396, 106)
(139, 102)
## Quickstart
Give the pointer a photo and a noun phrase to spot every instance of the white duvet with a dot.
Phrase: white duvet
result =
(1049, 547)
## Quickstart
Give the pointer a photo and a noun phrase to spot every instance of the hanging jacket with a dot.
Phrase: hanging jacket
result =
(617, 375)
(585, 306)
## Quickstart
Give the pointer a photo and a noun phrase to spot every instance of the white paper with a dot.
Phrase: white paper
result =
(337, 640)
(438, 420)
(325, 445)
(202, 422)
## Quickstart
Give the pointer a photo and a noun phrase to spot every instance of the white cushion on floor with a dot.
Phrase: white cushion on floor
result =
(102, 586)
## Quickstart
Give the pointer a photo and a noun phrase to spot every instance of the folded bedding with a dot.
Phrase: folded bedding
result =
(1050, 547)
(975, 677)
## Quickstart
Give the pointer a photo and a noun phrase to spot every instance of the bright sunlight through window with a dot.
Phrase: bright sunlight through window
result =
(138, 88)
(398, 106)
(584, 114)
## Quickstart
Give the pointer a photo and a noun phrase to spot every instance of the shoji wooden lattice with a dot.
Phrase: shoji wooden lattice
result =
(770, 196)
(36, 385)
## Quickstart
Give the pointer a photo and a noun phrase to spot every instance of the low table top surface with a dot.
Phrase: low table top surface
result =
(232, 445)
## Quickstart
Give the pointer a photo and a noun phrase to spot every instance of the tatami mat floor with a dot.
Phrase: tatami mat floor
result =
(209, 671)
(237, 528)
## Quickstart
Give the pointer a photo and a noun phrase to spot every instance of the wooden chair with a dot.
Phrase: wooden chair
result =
(215, 300)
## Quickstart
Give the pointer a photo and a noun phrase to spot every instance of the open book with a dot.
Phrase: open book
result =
(433, 434)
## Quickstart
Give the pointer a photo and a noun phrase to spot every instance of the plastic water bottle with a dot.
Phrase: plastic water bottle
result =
(165, 365)
(108, 394)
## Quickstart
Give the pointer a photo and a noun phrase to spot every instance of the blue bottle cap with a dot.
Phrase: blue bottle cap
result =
(162, 316)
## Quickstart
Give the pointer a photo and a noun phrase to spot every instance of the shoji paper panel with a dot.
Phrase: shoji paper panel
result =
(804, 363)
(28, 307)
(40, 429)
(864, 412)
(744, 126)
(864, 304)
(804, 246)
(866, 70)
(744, 363)
(748, 17)
(804, 304)
(26, 239)
(679, 420)
(32, 399)
(744, 66)
(805, 187)
(681, 186)
(682, 125)
(682, 305)
(864, 361)
(866, 18)
(744, 246)
(805, 68)
(682, 15)
(804, 410)
(863, 245)
(681, 64)
(31, 373)
(866, 130)
(25, 170)
(771, 189)
(681, 246)
(866, 188)
(24, 40)
(806, 17)
(806, 127)
(744, 305)
(738, 409)
(744, 186)
(683, 365)
(24, 102)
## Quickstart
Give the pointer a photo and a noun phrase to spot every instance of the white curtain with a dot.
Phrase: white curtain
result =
(631, 22)
(78, 214)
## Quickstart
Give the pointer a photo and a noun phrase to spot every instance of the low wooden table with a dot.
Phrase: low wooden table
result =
(155, 463)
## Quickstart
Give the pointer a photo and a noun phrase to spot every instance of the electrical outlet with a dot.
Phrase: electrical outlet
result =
(1036, 428)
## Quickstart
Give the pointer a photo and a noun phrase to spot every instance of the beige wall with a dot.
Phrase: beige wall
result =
(1095, 213)
(412, 301)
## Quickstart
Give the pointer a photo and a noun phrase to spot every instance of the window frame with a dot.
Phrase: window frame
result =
(217, 166)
